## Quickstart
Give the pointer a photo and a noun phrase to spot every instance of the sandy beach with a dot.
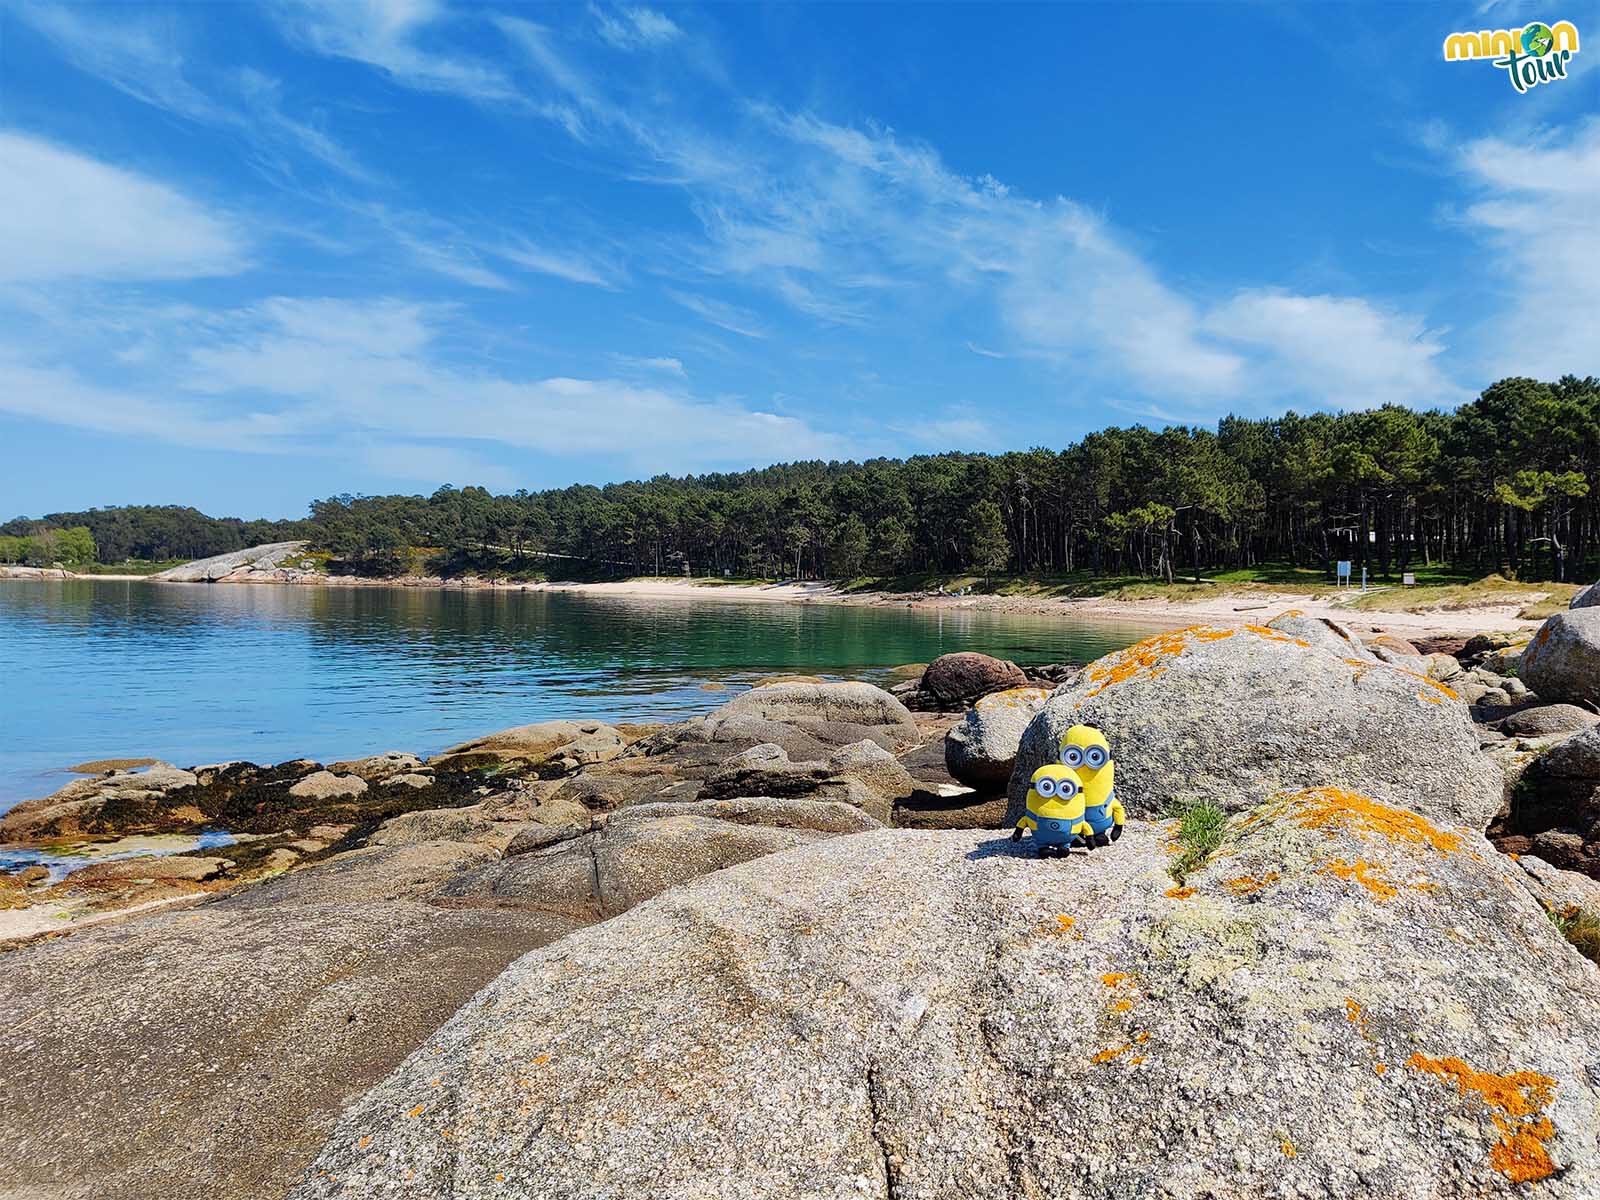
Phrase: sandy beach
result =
(1235, 608)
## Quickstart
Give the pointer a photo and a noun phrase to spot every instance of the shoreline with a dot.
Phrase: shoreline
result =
(1228, 608)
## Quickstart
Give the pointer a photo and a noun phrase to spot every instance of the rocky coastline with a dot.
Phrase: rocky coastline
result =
(802, 910)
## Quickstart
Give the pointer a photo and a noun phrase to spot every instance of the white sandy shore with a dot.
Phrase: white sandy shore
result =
(1241, 608)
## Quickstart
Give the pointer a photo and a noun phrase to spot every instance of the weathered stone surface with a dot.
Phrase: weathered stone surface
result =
(982, 749)
(1444, 668)
(152, 801)
(833, 713)
(1586, 598)
(916, 1012)
(211, 570)
(594, 871)
(207, 1052)
(863, 774)
(1560, 890)
(951, 807)
(468, 824)
(1236, 715)
(1560, 789)
(1324, 632)
(378, 768)
(957, 680)
(1394, 644)
(188, 868)
(1547, 719)
(325, 785)
(554, 747)
(1562, 662)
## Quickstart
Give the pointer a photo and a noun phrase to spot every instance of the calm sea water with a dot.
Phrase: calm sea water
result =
(193, 674)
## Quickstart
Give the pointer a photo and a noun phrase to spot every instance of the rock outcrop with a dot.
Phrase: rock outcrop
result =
(236, 563)
(597, 871)
(1562, 662)
(547, 747)
(1346, 1001)
(956, 680)
(982, 749)
(158, 800)
(1235, 715)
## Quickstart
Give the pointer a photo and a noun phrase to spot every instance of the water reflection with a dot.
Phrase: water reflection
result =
(192, 674)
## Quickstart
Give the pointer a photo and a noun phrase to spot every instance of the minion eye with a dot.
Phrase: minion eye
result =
(1095, 756)
(1046, 786)
(1067, 789)
(1072, 756)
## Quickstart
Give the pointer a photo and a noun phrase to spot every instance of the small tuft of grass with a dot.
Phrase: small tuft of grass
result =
(1202, 825)
(1580, 928)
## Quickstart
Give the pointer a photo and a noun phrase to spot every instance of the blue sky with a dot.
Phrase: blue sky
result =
(253, 255)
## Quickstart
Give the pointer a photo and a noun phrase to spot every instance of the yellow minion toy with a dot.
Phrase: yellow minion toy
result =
(1055, 811)
(1085, 750)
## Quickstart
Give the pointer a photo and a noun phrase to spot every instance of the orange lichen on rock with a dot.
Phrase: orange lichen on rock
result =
(1334, 809)
(1287, 1147)
(1243, 885)
(1179, 893)
(1276, 635)
(417, 1111)
(1121, 1006)
(1366, 874)
(1518, 1101)
(1112, 978)
(1146, 657)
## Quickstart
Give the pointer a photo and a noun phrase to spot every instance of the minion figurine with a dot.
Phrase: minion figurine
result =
(1055, 811)
(1085, 750)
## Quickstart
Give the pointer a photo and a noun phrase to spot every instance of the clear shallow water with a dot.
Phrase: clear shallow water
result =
(193, 673)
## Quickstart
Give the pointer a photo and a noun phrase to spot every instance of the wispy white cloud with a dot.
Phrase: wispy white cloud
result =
(1536, 209)
(668, 366)
(983, 352)
(721, 314)
(134, 53)
(147, 60)
(571, 265)
(635, 28)
(399, 37)
(320, 376)
(66, 216)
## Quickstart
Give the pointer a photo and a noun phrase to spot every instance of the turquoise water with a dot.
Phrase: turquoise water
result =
(192, 673)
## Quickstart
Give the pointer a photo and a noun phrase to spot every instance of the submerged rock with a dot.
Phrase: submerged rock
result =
(932, 1014)
(1235, 715)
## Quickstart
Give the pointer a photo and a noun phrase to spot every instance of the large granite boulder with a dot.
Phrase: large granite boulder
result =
(1560, 789)
(236, 562)
(982, 749)
(1547, 720)
(954, 681)
(1588, 597)
(1348, 1002)
(1562, 662)
(835, 714)
(1234, 715)
(547, 747)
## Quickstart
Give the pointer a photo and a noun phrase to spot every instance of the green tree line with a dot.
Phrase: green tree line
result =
(1506, 482)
